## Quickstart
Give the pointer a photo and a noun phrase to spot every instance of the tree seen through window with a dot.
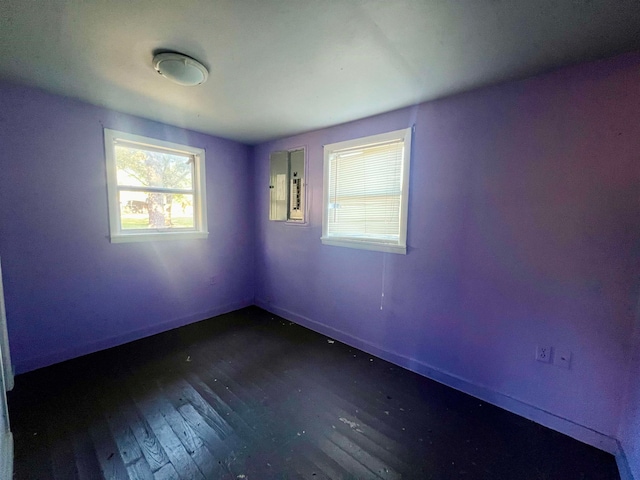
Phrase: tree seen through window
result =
(150, 188)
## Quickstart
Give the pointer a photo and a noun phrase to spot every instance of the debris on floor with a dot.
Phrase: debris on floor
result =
(353, 425)
(330, 341)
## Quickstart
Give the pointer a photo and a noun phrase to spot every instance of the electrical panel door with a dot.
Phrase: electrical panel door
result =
(278, 186)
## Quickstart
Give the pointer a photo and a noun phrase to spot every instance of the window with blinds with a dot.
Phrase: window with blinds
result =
(366, 192)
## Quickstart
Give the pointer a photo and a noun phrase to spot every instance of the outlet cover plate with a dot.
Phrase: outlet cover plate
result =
(543, 353)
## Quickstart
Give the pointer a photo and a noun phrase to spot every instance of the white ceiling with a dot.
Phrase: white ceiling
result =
(279, 67)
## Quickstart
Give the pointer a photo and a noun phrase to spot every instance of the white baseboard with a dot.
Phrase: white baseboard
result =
(623, 465)
(6, 456)
(568, 427)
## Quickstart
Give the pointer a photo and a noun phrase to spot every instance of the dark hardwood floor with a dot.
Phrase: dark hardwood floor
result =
(251, 396)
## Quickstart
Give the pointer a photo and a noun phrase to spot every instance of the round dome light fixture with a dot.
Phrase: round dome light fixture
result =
(180, 68)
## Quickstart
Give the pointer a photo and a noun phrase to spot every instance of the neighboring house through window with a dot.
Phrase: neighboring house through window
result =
(156, 189)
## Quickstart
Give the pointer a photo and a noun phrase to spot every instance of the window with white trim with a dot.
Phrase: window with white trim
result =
(156, 189)
(366, 192)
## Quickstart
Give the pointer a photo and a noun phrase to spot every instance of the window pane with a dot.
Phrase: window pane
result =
(366, 217)
(148, 210)
(365, 192)
(147, 168)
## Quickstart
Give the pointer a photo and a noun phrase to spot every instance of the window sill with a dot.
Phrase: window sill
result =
(156, 236)
(296, 222)
(365, 245)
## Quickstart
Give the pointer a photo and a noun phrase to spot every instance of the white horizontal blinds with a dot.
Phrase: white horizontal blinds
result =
(365, 192)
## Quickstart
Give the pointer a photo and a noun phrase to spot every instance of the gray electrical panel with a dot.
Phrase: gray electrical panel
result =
(287, 186)
(296, 185)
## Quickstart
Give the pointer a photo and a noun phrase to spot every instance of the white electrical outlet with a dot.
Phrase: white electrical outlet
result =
(562, 358)
(543, 353)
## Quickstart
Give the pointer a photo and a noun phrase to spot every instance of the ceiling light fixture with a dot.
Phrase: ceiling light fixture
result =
(180, 69)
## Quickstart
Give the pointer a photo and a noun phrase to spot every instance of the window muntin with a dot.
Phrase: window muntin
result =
(156, 189)
(366, 185)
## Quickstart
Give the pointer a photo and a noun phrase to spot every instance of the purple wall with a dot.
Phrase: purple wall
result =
(523, 230)
(68, 290)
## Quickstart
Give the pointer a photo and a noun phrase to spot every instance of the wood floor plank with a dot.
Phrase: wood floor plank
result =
(219, 386)
(190, 430)
(190, 440)
(205, 433)
(147, 441)
(218, 436)
(236, 445)
(181, 393)
(181, 460)
(325, 464)
(209, 465)
(87, 464)
(140, 470)
(128, 447)
(58, 433)
(237, 423)
(346, 460)
(107, 452)
(63, 459)
(167, 473)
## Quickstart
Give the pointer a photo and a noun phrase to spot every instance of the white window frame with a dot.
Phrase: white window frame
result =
(117, 234)
(400, 246)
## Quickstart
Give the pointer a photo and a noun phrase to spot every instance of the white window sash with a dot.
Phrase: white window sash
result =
(117, 233)
(366, 206)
